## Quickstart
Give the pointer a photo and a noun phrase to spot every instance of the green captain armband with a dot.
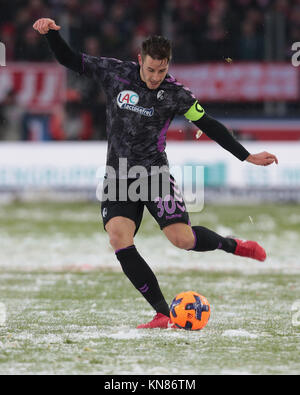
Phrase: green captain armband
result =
(195, 113)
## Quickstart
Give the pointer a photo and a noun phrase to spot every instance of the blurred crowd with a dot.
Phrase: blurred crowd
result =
(201, 30)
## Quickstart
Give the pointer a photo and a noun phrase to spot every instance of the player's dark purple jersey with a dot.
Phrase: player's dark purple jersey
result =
(137, 117)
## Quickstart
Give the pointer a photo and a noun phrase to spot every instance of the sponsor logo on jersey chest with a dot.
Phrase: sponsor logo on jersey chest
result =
(128, 100)
(128, 97)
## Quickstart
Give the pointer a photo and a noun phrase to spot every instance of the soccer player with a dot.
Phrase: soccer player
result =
(142, 100)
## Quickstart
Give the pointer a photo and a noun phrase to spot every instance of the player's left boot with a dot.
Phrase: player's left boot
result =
(250, 249)
(159, 321)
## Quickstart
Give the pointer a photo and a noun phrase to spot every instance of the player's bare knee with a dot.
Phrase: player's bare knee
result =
(182, 241)
(121, 233)
(180, 235)
(118, 239)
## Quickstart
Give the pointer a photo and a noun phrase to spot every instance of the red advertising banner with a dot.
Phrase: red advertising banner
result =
(41, 86)
(38, 86)
(240, 81)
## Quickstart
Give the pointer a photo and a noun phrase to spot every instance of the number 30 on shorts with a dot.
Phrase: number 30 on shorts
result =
(168, 205)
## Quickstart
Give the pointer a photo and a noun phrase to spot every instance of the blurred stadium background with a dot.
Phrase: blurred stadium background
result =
(235, 55)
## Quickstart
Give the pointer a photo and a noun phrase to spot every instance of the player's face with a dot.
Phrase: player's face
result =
(153, 71)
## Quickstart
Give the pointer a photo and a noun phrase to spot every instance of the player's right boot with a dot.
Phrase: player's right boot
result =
(159, 321)
(250, 249)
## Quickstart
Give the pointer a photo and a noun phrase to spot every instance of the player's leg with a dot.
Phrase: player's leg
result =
(170, 212)
(121, 220)
(197, 238)
(121, 231)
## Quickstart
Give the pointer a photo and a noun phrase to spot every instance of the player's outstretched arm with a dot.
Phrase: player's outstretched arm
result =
(63, 53)
(218, 132)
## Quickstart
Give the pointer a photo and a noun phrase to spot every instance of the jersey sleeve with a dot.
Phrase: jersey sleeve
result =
(100, 68)
(188, 105)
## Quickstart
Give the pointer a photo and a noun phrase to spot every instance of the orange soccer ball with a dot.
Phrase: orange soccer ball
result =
(190, 311)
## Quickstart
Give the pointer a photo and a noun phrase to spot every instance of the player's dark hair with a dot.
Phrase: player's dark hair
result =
(157, 47)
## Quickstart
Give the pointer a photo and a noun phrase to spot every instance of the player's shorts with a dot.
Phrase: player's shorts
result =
(159, 193)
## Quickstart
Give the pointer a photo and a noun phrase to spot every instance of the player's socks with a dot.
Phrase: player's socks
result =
(207, 240)
(143, 278)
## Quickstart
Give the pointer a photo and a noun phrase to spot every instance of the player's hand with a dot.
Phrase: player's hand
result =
(262, 159)
(43, 25)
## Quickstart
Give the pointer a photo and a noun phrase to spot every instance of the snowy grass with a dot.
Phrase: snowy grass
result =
(70, 310)
(77, 323)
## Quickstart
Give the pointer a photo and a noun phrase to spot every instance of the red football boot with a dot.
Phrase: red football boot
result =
(159, 321)
(250, 249)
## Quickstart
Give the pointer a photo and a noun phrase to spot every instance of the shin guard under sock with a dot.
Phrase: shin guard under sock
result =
(142, 277)
(207, 240)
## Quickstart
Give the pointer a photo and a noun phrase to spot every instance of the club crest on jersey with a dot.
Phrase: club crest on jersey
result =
(128, 100)
(160, 95)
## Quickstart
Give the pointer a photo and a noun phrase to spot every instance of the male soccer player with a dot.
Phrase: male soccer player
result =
(142, 100)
